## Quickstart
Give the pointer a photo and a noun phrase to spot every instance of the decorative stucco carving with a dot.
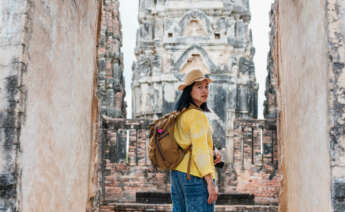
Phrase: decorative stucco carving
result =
(195, 49)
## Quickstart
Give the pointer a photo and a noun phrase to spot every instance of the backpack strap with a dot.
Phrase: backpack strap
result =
(189, 161)
(158, 145)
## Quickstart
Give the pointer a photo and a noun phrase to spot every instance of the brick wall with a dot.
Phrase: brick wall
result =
(255, 161)
(126, 167)
(127, 170)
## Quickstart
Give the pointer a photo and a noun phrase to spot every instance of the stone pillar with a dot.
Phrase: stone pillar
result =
(242, 101)
(309, 53)
(336, 74)
(47, 70)
(13, 65)
(229, 154)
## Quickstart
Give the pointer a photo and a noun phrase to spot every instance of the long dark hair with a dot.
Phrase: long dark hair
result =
(186, 99)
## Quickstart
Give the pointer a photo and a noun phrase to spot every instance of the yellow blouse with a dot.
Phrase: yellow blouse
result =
(192, 127)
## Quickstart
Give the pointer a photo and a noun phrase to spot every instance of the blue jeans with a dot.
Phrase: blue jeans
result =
(189, 195)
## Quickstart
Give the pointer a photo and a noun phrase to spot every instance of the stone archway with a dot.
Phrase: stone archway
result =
(195, 61)
(194, 56)
(307, 72)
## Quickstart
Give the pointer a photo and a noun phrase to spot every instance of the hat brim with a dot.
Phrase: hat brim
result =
(183, 86)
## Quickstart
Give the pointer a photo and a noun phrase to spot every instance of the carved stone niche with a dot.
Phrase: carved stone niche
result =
(194, 57)
(146, 31)
(195, 28)
(246, 66)
(194, 23)
(144, 66)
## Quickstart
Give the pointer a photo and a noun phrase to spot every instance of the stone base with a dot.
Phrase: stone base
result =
(139, 207)
(153, 197)
(223, 199)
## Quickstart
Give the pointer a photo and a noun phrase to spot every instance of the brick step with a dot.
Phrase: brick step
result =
(140, 207)
(153, 197)
(223, 198)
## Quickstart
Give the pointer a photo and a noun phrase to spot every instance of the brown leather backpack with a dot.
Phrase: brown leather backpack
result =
(164, 152)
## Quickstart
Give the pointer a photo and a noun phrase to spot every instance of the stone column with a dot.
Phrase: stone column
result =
(311, 72)
(12, 98)
(47, 74)
(242, 101)
(229, 142)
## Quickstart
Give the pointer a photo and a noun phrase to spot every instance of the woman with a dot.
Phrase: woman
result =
(192, 128)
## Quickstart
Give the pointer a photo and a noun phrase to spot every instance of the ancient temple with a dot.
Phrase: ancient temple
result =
(175, 37)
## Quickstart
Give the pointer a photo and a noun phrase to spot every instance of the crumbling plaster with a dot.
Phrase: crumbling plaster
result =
(56, 136)
(48, 60)
(13, 65)
(336, 100)
(303, 65)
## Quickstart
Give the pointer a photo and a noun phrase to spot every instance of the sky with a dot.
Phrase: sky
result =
(259, 25)
(260, 30)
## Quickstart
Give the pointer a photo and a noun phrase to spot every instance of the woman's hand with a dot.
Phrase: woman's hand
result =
(211, 188)
(218, 156)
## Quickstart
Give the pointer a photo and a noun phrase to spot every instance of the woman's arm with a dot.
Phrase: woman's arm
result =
(211, 188)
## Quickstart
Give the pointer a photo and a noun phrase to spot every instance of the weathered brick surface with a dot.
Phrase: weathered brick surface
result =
(111, 89)
(255, 161)
(124, 174)
(110, 96)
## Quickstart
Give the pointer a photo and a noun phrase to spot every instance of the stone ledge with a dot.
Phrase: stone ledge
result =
(223, 198)
(122, 207)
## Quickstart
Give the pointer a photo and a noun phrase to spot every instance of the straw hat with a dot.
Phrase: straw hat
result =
(193, 76)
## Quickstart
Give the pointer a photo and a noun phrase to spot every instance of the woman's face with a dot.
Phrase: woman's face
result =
(199, 92)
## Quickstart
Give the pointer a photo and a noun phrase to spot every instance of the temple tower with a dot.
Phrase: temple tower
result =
(177, 36)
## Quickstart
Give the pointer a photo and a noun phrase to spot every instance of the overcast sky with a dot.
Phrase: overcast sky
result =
(259, 25)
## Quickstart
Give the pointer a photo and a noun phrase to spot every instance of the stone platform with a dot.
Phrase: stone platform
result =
(140, 207)
(223, 198)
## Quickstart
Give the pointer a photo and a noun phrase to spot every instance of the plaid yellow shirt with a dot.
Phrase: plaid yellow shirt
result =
(192, 127)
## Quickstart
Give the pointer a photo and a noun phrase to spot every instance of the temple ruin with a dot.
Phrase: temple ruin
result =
(65, 141)
(175, 37)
